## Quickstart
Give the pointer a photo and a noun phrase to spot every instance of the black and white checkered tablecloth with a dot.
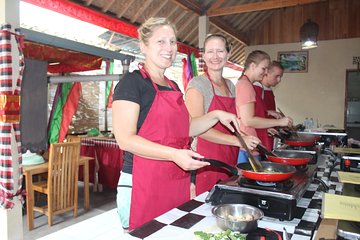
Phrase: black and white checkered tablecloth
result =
(195, 215)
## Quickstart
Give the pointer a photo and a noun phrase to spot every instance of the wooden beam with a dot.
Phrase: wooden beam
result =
(190, 33)
(216, 4)
(229, 30)
(140, 11)
(158, 8)
(125, 7)
(107, 6)
(190, 5)
(186, 24)
(258, 6)
(196, 8)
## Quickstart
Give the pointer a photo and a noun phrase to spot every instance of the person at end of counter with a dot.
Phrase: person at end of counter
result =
(208, 92)
(255, 67)
(265, 101)
(153, 127)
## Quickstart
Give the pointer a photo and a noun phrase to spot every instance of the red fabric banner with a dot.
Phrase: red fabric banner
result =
(69, 109)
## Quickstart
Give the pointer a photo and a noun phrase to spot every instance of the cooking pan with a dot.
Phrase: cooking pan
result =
(290, 158)
(300, 142)
(273, 172)
(297, 141)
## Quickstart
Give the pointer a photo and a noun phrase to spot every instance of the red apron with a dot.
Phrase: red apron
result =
(269, 100)
(208, 176)
(261, 111)
(159, 186)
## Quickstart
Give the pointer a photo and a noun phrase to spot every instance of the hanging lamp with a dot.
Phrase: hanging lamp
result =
(308, 35)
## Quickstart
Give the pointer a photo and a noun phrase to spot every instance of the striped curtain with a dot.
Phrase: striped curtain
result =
(9, 116)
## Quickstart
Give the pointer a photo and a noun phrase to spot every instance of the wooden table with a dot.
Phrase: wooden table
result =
(30, 171)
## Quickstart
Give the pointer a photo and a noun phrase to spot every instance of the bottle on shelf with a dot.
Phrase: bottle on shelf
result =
(311, 123)
(306, 123)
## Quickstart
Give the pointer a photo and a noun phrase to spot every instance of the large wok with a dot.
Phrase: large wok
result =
(272, 172)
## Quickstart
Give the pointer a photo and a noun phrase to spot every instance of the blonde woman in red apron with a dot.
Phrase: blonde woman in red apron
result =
(152, 125)
(256, 65)
(204, 94)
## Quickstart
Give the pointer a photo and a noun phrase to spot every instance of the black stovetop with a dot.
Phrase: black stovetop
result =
(291, 188)
(277, 201)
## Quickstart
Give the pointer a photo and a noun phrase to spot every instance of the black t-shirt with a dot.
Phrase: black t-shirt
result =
(134, 88)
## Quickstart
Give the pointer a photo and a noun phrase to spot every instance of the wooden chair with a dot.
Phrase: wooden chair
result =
(61, 186)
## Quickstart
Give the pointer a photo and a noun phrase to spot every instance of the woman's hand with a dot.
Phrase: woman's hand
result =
(186, 159)
(251, 141)
(274, 114)
(286, 122)
(227, 118)
(272, 131)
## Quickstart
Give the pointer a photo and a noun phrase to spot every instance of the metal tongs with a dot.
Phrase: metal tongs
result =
(255, 164)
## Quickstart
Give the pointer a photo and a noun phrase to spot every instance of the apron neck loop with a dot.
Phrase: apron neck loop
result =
(208, 76)
(145, 74)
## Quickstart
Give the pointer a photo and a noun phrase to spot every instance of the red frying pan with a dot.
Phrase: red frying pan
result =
(290, 158)
(273, 172)
(297, 141)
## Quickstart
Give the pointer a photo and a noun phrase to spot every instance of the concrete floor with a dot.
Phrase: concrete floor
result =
(100, 202)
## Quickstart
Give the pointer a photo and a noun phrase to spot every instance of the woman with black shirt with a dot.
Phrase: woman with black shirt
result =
(152, 125)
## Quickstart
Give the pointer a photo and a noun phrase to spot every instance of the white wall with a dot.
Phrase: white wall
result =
(319, 93)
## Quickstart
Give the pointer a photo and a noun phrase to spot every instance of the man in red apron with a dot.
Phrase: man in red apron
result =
(265, 100)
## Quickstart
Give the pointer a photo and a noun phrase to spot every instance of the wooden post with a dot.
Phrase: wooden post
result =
(11, 220)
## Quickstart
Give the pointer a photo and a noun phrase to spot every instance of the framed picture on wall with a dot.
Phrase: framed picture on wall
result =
(294, 61)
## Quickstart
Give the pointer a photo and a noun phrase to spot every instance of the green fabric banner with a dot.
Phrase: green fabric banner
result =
(57, 113)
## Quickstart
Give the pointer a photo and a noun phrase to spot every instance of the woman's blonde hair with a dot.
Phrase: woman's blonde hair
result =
(220, 36)
(256, 57)
(146, 30)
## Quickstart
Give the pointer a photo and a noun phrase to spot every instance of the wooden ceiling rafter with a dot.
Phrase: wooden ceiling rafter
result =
(156, 10)
(140, 11)
(258, 6)
(216, 5)
(107, 6)
(197, 9)
(239, 50)
(235, 49)
(125, 7)
(88, 2)
(178, 18)
(170, 13)
(186, 24)
(193, 30)
(262, 18)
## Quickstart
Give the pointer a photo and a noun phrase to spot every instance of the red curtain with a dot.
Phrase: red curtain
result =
(61, 60)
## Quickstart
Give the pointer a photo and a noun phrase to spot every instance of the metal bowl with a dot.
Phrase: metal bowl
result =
(227, 217)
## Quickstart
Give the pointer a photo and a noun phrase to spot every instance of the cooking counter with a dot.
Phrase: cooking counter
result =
(195, 215)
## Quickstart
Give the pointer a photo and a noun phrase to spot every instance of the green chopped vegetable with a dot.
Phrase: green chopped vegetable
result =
(224, 235)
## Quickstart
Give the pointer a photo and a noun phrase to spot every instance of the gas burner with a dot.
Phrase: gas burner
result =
(266, 184)
(269, 186)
